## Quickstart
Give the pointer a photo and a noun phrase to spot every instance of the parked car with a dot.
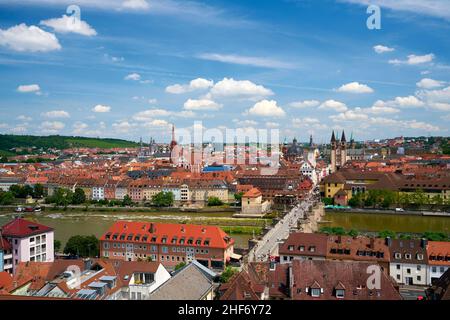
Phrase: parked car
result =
(399, 210)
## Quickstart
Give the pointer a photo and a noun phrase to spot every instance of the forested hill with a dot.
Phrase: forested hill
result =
(9, 142)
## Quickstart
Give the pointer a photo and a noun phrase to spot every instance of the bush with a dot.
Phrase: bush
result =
(227, 274)
(214, 201)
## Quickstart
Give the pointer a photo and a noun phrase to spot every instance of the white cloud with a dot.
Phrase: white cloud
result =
(123, 126)
(79, 127)
(427, 83)
(133, 76)
(308, 123)
(246, 60)
(266, 108)
(441, 106)
(414, 59)
(382, 49)
(158, 123)
(272, 124)
(380, 107)
(24, 118)
(230, 88)
(350, 115)
(101, 108)
(67, 24)
(431, 96)
(23, 38)
(150, 114)
(52, 126)
(434, 8)
(304, 104)
(410, 101)
(333, 105)
(201, 104)
(56, 114)
(136, 4)
(245, 123)
(26, 88)
(196, 84)
(355, 87)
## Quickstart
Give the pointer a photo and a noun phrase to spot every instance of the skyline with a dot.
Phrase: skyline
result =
(134, 67)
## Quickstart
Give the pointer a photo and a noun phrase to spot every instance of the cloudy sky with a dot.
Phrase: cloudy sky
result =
(130, 68)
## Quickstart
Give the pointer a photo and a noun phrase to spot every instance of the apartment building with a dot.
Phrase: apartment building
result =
(29, 241)
(303, 246)
(408, 261)
(170, 244)
(438, 260)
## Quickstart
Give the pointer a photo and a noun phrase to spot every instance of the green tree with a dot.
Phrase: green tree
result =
(353, 233)
(387, 233)
(82, 246)
(327, 201)
(227, 274)
(127, 201)
(6, 198)
(238, 197)
(57, 245)
(79, 196)
(163, 199)
(38, 190)
(214, 201)
(180, 265)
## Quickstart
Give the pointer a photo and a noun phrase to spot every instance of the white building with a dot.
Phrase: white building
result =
(408, 264)
(98, 192)
(29, 241)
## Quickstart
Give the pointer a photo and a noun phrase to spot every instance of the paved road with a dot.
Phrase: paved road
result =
(412, 292)
(269, 244)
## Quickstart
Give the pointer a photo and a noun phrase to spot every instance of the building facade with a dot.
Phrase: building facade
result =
(170, 244)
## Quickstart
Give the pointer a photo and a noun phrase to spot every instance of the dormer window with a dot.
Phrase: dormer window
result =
(408, 256)
(291, 248)
(398, 255)
(206, 243)
(312, 248)
(164, 239)
(154, 239)
(340, 293)
(301, 248)
(198, 242)
(315, 292)
(419, 256)
(182, 240)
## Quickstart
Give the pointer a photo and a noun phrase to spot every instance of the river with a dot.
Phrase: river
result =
(377, 222)
(88, 223)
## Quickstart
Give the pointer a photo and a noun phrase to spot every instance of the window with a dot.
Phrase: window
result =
(419, 278)
(398, 255)
(165, 249)
(301, 248)
(419, 267)
(106, 245)
(312, 248)
(398, 277)
(398, 267)
(340, 293)
(408, 271)
(433, 269)
(407, 256)
(291, 248)
(419, 256)
(315, 292)
(442, 269)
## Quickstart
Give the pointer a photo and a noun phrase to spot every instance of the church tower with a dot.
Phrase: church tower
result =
(343, 149)
(333, 152)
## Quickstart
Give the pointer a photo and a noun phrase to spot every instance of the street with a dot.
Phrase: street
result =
(268, 245)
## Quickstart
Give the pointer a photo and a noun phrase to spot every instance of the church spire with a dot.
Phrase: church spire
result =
(333, 138)
(343, 136)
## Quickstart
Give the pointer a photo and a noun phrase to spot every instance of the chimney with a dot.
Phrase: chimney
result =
(372, 243)
(339, 239)
(423, 243)
(87, 264)
(152, 228)
(203, 230)
(388, 241)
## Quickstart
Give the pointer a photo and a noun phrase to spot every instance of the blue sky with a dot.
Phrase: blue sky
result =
(130, 68)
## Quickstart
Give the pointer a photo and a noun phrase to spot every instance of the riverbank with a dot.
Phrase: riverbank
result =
(375, 222)
(393, 212)
(70, 223)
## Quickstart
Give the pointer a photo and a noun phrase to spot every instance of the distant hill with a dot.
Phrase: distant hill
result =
(8, 142)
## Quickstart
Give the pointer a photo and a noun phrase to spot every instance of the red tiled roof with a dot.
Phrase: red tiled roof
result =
(23, 228)
(253, 193)
(438, 253)
(216, 236)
